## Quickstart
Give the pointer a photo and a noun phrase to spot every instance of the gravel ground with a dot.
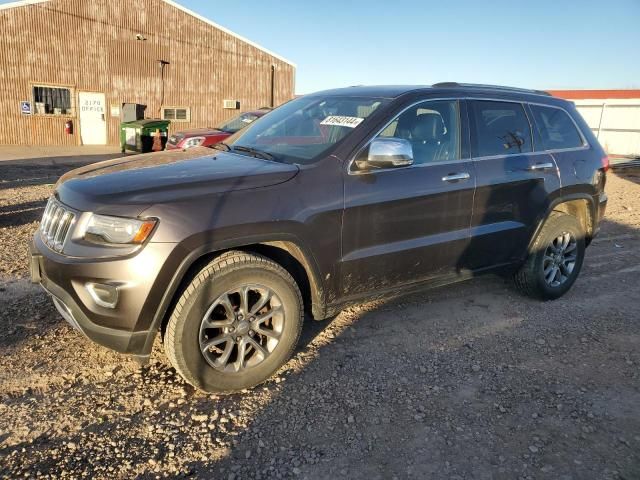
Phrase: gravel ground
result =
(470, 381)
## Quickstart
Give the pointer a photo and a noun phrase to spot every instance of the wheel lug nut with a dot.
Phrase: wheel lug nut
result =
(251, 332)
(238, 339)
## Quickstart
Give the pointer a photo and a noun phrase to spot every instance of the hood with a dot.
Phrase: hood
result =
(127, 186)
(200, 132)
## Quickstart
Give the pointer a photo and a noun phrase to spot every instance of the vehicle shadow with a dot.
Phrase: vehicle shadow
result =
(19, 214)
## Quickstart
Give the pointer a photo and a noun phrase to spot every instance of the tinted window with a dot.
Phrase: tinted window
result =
(502, 128)
(432, 128)
(556, 128)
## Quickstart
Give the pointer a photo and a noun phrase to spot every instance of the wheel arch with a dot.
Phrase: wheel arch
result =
(581, 206)
(286, 252)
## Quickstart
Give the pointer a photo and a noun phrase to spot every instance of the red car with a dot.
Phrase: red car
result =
(204, 137)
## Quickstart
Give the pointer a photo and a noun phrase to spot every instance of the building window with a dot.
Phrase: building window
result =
(176, 114)
(52, 100)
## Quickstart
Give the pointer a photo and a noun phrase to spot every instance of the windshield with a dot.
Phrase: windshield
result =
(302, 129)
(237, 123)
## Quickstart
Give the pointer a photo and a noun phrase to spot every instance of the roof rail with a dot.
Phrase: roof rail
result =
(492, 87)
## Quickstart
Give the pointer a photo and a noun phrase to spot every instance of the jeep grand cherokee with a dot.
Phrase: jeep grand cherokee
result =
(326, 201)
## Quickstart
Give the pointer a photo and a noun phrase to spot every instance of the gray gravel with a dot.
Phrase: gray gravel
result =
(470, 381)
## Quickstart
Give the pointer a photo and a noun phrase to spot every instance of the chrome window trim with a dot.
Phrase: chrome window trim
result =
(585, 145)
(424, 100)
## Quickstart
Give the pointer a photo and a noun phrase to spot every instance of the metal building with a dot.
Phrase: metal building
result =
(613, 115)
(78, 61)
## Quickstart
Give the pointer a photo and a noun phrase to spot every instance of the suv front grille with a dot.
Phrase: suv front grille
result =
(56, 224)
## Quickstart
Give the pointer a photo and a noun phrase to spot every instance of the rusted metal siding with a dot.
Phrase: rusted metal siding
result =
(91, 46)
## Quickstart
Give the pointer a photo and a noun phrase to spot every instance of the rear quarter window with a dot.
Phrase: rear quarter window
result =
(556, 128)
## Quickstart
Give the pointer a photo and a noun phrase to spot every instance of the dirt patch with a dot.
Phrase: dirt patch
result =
(466, 381)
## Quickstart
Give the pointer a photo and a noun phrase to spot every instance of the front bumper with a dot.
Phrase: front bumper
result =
(127, 328)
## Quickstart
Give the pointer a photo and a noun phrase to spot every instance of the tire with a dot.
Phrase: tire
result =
(531, 279)
(187, 331)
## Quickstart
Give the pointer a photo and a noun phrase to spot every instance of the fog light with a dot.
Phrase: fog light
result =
(103, 294)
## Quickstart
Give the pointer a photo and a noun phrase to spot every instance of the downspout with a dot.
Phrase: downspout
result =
(273, 86)
(604, 104)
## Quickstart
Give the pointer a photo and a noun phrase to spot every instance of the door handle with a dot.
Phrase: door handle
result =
(541, 166)
(454, 177)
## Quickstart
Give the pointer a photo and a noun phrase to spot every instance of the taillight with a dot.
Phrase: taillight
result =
(605, 163)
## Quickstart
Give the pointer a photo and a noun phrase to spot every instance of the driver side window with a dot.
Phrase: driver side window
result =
(432, 128)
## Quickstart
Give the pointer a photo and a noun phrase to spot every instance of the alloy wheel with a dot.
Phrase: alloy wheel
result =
(241, 328)
(560, 259)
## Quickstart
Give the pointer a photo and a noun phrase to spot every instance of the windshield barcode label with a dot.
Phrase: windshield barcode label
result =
(342, 121)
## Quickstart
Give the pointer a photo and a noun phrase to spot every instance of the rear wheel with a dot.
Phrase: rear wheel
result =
(236, 323)
(555, 260)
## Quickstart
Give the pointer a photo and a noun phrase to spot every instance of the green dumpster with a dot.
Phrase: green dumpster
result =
(138, 136)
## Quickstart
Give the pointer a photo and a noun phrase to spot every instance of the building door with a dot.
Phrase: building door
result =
(93, 120)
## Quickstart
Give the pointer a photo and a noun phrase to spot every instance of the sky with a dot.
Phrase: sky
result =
(539, 44)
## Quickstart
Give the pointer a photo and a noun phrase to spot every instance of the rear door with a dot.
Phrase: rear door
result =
(403, 225)
(513, 182)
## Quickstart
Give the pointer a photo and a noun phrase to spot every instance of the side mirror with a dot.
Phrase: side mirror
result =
(386, 153)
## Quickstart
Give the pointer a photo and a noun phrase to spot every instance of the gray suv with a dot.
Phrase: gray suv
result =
(328, 200)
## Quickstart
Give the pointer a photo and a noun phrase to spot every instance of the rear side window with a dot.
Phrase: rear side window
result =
(556, 128)
(501, 128)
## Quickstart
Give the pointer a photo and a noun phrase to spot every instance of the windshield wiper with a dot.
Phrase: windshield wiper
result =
(221, 146)
(254, 151)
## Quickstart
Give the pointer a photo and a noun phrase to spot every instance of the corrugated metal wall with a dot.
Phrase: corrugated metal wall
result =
(91, 46)
(616, 123)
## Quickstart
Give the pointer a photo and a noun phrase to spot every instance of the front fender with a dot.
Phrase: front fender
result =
(187, 253)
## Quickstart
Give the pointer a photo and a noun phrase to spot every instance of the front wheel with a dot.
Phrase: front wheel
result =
(237, 322)
(555, 260)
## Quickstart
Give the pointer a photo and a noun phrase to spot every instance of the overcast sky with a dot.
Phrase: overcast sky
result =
(539, 44)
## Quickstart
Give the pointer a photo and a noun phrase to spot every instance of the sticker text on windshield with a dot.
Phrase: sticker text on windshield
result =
(342, 121)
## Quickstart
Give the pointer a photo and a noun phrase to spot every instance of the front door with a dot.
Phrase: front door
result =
(405, 225)
(93, 120)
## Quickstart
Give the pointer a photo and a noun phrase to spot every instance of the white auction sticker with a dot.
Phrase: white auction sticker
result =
(342, 121)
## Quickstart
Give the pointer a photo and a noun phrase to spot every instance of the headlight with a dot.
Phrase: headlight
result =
(193, 142)
(118, 230)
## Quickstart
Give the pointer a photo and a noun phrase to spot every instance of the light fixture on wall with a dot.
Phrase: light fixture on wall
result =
(141, 37)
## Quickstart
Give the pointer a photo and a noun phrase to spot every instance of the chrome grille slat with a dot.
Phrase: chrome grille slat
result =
(46, 218)
(56, 224)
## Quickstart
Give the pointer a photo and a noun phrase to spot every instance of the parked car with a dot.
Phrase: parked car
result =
(340, 196)
(205, 137)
